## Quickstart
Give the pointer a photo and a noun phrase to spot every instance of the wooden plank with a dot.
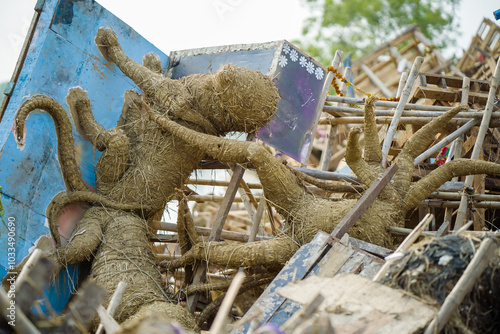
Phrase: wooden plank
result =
(354, 304)
(455, 82)
(215, 233)
(364, 202)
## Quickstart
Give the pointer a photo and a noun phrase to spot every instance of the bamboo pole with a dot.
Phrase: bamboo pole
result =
(446, 140)
(221, 317)
(402, 83)
(326, 155)
(21, 323)
(205, 231)
(464, 285)
(448, 213)
(456, 196)
(402, 120)
(478, 146)
(332, 110)
(456, 204)
(399, 110)
(113, 303)
(386, 104)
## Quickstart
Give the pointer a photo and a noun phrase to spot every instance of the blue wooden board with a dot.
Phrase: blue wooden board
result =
(62, 54)
(275, 308)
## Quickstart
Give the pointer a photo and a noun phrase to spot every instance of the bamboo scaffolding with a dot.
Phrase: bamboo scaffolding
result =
(478, 146)
(407, 113)
(402, 120)
(448, 213)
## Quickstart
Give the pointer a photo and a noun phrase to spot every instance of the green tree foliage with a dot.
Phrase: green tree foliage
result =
(360, 26)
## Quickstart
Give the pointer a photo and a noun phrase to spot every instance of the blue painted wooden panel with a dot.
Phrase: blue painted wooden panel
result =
(275, 308)
(62, 54)
(300, 81)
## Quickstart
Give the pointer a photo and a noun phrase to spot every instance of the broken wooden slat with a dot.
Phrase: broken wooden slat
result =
(407, 242)
(221, 317)
(442, 94)
(15, 317)
(215, 233)
(113, 305)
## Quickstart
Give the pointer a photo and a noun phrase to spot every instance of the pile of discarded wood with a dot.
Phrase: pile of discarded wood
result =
(337, 283)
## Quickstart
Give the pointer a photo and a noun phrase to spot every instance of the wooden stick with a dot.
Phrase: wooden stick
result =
(387, 104)
(402, 120)
(221, 317)
(205, 231)
(464, 285)
(303, 313)
(364, 202)
(107, 321)
(256, 221)
(456, 204)
(407, 242)
(113, 305)
(333, 110)
(220, 218)
(457, 153)
(33, 259)
(464, 228)
(21, 323)
(446, 140)
(218, 183)
(399, 110)
(478, 145)
(456, 196)
(402, 83)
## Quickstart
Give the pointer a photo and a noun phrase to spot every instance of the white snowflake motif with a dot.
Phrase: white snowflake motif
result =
(282, 61)
(286, 48)
(319, 73)
(303, 61)
(294, 55)
(310, 67)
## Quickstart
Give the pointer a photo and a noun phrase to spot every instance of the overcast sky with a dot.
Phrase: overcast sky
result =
(177, 25)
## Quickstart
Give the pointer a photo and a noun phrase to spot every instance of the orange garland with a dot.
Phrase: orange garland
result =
(347, 82)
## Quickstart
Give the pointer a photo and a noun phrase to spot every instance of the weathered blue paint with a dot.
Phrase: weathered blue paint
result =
(275, 308)
(299, 80)
(62, 54)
